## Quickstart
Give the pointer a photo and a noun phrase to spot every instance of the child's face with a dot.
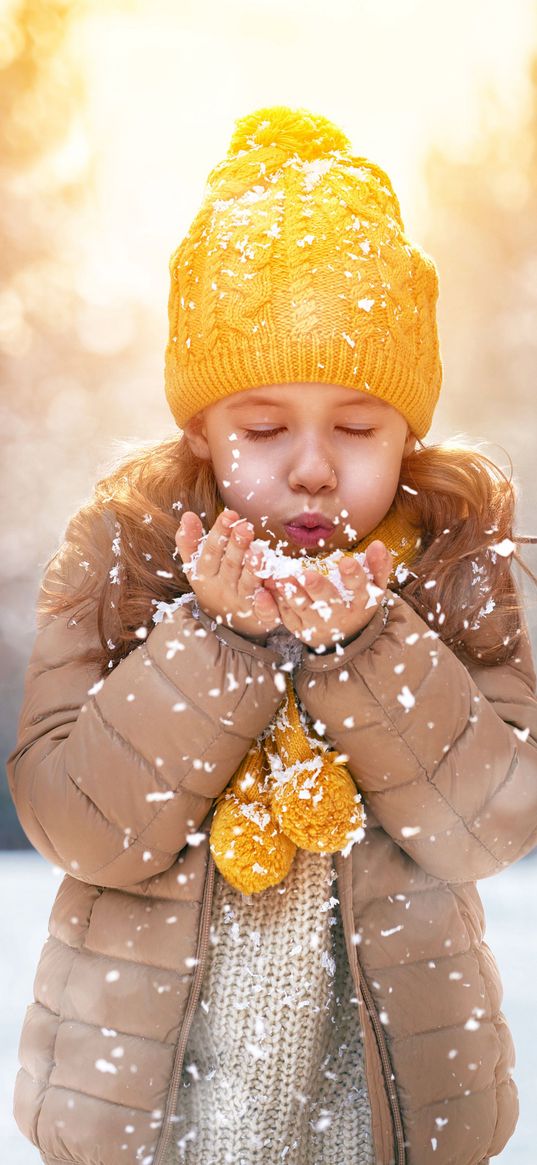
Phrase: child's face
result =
(280, 450)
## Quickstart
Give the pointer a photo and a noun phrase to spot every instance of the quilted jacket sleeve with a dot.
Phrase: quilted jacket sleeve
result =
(445, 754)
(111, 776)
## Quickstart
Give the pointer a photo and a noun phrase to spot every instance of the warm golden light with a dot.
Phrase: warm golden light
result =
(113, 113)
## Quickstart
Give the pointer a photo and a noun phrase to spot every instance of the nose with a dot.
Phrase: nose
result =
(311, 467)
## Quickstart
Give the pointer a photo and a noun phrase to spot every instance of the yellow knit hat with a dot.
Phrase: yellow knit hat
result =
(297, 268)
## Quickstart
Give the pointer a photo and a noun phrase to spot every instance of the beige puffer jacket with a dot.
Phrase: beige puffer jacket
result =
(115, 781)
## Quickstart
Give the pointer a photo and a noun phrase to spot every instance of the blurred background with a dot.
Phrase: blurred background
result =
(113, 113)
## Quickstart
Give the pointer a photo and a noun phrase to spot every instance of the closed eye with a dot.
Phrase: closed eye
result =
(268, 434)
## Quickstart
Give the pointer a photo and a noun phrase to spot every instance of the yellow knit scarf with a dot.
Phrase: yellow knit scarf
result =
(291, 789)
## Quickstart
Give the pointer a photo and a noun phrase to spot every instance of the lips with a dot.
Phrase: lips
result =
(310, 521)
(309, 529)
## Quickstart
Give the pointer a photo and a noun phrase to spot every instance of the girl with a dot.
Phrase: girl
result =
(273, 771)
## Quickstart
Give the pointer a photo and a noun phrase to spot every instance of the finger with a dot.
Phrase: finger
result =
(380, 562)
(249, 581)
(289, 614)
(252, 588)
(293, 605)
(294, 610)
(215, 545)
(291, 592)
(261, 596)
(266, 608)
(232, 563)
(353, 575)
(188, 534)
(320, 587)
(328, 603)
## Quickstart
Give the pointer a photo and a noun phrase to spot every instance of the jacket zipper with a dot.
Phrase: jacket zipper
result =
(362, 988)
(203, 942)
(392, 1094)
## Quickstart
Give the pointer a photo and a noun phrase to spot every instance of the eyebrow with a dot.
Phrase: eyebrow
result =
(266, 400)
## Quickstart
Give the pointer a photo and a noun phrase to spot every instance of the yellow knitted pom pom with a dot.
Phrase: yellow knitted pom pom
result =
(248, 846)
(293, 130)
(318, 808)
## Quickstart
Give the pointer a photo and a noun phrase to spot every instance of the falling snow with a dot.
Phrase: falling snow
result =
(406, 698)
(284, 952)
(105, 1066)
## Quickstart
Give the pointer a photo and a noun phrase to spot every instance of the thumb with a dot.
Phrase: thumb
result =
(380, 562)
(188, 534)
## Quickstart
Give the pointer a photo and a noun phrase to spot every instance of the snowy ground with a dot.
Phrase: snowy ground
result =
(511, 934)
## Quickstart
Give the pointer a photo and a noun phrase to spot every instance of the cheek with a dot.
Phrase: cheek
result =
(246, 481)
(258, 466)
(373, 476)
(389, 479)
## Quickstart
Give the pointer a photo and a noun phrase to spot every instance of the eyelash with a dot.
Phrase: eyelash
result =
(268, 434)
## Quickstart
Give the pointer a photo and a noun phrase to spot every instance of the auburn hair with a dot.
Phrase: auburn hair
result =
(460, 501)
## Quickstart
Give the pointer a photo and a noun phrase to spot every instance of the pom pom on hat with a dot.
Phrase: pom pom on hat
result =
(296, 131)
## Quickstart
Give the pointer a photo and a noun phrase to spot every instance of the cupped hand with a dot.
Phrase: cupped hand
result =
(225, 584)
(314, 611)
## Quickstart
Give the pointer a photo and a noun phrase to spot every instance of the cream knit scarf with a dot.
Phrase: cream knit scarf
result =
(291, 789)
